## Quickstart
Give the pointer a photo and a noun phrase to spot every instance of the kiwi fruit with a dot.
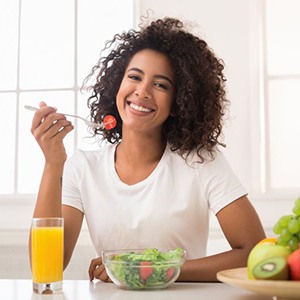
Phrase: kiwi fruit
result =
(272, 268)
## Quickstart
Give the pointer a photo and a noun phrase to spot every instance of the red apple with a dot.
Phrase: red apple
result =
(294, 265)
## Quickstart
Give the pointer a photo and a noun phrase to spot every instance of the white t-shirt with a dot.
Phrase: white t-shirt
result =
(168, 209)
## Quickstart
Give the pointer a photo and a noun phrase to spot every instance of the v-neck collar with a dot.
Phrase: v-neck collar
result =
(116, 178)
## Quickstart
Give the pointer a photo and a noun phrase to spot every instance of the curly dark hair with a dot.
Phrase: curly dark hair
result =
(199, 106)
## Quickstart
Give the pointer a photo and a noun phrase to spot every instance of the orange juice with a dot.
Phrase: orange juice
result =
(47, 254)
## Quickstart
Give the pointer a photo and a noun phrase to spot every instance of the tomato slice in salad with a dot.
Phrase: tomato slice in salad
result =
(145, 270)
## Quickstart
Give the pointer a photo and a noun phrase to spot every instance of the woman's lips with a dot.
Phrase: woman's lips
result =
(140, 108)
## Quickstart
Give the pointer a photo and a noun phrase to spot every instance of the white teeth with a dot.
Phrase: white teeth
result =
(139, 108)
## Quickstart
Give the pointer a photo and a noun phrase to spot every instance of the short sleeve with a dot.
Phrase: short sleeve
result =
(221, 185)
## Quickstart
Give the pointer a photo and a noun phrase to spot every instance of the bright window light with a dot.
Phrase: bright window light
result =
(47, 49)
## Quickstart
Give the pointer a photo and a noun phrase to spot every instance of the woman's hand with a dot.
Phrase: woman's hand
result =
(97, 270)
(49, 129)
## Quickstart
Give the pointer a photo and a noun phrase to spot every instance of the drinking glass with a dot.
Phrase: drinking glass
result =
(47, 239)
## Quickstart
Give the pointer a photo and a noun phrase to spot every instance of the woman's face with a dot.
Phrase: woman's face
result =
(146, 93)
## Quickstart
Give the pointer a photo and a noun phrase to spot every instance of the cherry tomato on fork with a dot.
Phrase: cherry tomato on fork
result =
(109, 122)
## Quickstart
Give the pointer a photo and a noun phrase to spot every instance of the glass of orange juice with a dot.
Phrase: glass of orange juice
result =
(47, 240)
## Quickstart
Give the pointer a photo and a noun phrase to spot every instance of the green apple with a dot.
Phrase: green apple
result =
(264, 251)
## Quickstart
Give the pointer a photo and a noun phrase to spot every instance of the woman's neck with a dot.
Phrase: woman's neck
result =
(136, 158)
(140, 151)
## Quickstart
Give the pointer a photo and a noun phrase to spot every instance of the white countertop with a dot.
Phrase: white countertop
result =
(11, 289)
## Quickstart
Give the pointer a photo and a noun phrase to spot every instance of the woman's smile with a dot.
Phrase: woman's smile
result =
(139, 108)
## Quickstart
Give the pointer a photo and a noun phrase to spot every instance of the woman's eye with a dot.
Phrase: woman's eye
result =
(161, 85)
(133, 77)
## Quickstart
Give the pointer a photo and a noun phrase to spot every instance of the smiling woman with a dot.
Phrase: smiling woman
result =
(163, 162)
(239, 43)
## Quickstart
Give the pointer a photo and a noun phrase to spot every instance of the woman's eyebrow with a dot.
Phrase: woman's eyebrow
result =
(156, 76)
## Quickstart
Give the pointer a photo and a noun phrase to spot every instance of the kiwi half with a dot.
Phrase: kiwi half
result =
(272, 268)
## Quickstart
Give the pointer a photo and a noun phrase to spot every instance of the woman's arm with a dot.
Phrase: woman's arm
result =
(49, 129)
(242, 229)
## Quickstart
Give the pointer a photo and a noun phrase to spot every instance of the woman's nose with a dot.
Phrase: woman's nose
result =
(143, 92)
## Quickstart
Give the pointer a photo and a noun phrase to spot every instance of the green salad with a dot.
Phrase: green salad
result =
(145, 269)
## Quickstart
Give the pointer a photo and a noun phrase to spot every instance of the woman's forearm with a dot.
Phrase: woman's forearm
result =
(206, 268)
(48, 202)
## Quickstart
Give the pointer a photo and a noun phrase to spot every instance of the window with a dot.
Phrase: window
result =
(49, 48)
(281, 81)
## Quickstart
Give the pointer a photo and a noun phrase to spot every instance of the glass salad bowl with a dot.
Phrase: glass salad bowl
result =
(143, 268)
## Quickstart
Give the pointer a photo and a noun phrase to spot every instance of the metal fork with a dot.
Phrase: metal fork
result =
(88, 123)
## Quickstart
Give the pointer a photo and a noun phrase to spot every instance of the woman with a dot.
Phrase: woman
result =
(155, 183)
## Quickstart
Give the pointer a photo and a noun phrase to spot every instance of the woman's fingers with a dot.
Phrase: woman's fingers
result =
(53, 128)
(40, 116)
(100, 273)
(42, 103)
(48, 124)
(97, 270)
(93, 265)
(49, 129)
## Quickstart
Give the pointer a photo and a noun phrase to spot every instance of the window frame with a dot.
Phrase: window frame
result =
(17, 198)
(261, 174)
